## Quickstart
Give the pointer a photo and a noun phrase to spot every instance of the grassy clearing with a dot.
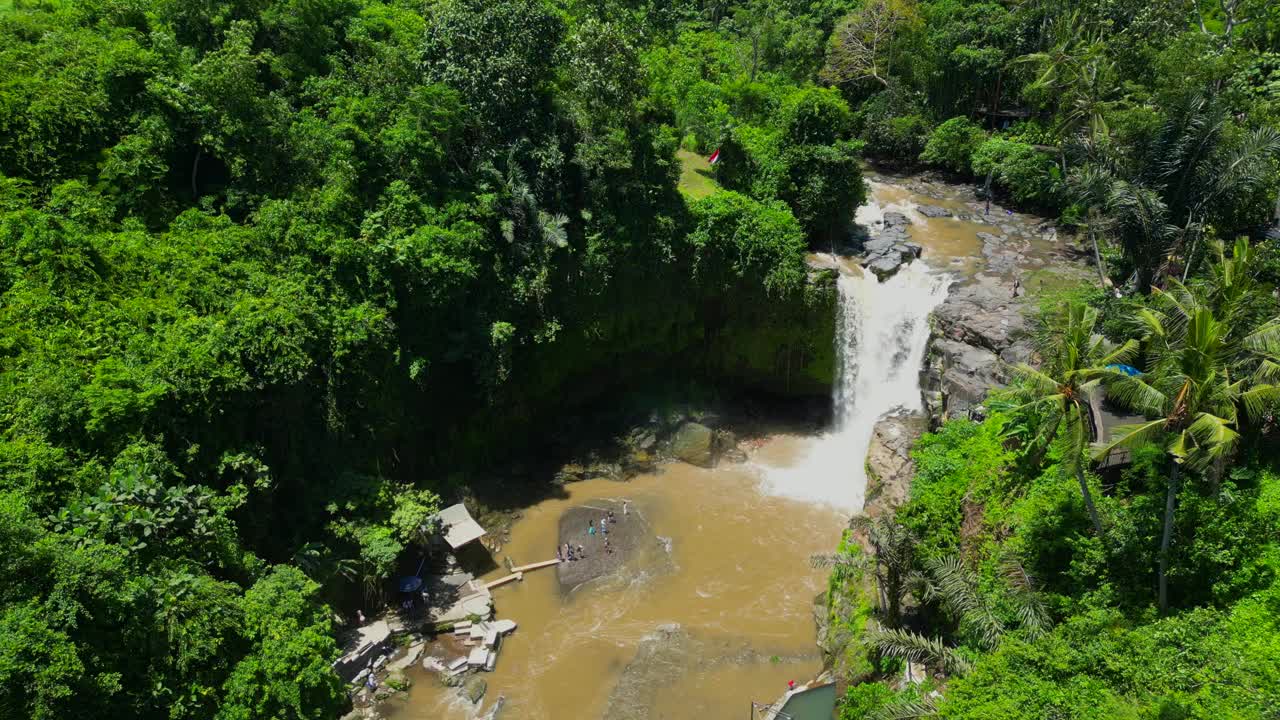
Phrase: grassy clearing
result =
(695, 174)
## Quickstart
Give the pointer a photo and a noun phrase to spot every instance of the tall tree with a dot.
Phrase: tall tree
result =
(893, 546)
(1060, 394)
(1195, 388)
(862, 44)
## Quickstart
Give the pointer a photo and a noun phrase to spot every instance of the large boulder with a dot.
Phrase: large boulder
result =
(968, 372)
(889, 465)
(632, 544)
(892, 220)
(984, 313)
(695, 444)
(889, 247)
(475, 688)
(885, 255)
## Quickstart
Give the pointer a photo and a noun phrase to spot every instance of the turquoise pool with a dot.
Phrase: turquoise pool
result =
(816, 704)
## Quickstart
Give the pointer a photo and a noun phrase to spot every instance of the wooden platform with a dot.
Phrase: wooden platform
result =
(535, 566)
(504, 580)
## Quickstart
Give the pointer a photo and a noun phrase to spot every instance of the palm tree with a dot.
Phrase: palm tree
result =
(1196, 163)
(1198, 383)
(1060, 393)
(1078, 73)
(524, 224)
(894, 548)
(1090, 186)
(951, 584)
(917, 648)
(1141, 219)
(1164, 206)
(921, 709)
(1135, 213)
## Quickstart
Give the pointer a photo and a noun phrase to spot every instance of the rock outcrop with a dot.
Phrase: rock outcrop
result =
(986, 313)
(967, 373)
(475, 688)
(889, 464)
(694, 443)
(889, 246)
(631, 542)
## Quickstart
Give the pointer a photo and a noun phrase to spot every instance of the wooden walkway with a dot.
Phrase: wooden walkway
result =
(535, 566)
(517, 573)
(504, 580)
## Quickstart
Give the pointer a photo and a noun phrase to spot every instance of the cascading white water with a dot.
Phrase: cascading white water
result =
(882, 329)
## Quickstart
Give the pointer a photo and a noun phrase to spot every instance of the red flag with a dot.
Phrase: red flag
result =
(715, 157)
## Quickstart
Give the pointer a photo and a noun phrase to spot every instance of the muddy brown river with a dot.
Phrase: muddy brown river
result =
(732, 566)
(739, 580)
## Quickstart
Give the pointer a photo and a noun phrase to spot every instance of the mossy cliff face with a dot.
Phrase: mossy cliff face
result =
(844, 613)
(785, 348)
(746, 341)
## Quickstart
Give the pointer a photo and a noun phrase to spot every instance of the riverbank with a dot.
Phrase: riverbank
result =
(727, 573)
(725, 492)
(1001, 263)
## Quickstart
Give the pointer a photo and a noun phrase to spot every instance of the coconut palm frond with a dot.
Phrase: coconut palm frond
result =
(1152, 324)
(1135, 393)
(1259, 399)
(1267, 372)
(1248, 165)
(1177, 304)
(1207, 438)
(957, 587)
(1266, 339)
(1090, 185)
(918, 648)
(553, 228)
(1033, 615)
(1122, 354)
(1048, 408)
(1131, 436)
(955, 583)
(923, 709)
(1036, 381)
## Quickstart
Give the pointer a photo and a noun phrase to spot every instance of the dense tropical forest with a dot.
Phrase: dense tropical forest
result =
(278, 275)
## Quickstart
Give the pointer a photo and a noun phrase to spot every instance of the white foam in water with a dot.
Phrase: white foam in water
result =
(882, 329)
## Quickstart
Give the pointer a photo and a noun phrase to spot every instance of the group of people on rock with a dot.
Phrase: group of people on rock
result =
(569, 553)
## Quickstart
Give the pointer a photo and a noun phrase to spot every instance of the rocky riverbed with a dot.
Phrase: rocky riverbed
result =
(626, 537)
(1003, 263)
(1002, 260)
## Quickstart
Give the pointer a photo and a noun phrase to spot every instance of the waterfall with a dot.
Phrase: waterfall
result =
(882, 329)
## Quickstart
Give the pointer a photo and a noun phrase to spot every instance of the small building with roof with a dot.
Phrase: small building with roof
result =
(457, 527)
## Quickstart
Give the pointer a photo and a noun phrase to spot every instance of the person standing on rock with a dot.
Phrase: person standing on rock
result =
(624, 507)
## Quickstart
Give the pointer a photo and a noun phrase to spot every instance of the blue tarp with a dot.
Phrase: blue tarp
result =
(1129, 370)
